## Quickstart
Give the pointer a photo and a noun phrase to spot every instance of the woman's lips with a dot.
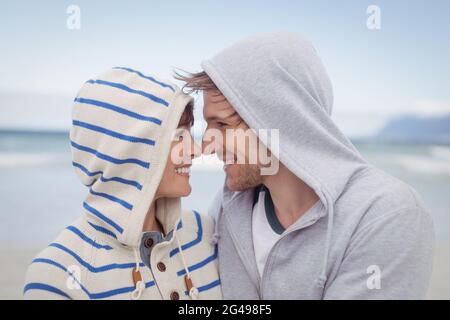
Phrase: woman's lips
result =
(183, 171)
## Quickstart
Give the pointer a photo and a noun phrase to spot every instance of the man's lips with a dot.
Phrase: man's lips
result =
(227, 167)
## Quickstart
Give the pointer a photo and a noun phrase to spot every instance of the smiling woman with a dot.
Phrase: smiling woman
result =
(175, 180)
(133, 240)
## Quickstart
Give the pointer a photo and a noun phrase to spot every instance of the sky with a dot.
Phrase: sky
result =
(401, 68)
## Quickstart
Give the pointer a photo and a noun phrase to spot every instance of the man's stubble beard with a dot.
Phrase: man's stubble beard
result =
(249, 176)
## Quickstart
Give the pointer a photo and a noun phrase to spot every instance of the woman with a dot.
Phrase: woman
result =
(133, 240)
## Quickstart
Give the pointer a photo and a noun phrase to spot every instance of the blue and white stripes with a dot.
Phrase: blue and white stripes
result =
(128, 89)
(122, 126)
(112, 133)
(109, 158)
(90, 295)
(121, 110)
(102, 217)
(162, 84)
(97, 259)
(118, 118)
(88, 240)
(133, 183)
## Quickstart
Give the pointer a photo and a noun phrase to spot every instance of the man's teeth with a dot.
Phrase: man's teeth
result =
(183, 170)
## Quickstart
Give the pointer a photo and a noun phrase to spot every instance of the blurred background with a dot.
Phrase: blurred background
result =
(389, 65)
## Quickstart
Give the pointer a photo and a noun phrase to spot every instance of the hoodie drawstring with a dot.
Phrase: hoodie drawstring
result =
(139, 283)
(214, 240)
(320, 281)
(193, 291)
(137, 278)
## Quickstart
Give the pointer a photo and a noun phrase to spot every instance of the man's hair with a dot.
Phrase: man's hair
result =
(195, 82)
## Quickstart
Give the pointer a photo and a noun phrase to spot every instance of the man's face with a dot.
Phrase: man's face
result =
(221, 117)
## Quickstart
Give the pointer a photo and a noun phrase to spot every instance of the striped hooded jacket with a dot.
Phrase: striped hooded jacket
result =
(120, 137)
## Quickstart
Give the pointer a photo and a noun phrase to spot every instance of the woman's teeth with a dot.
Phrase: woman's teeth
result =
(182, 170)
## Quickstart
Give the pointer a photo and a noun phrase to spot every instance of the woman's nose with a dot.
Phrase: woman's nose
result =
(196, 150)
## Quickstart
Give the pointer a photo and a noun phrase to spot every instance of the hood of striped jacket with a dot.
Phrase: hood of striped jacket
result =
(122, 129)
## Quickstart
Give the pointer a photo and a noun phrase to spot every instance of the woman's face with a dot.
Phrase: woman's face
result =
(175, 179)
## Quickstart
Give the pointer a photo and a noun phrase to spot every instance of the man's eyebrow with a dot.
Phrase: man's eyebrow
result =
(211, 118)
(232, 115)
(216, 118)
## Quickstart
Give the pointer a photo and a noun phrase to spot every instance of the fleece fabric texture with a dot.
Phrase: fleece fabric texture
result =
(374, 239)
(123, 125)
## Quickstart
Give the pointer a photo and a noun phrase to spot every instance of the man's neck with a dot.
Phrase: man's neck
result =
(290, 195)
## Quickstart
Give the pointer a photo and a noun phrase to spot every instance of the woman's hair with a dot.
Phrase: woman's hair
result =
(187, 118)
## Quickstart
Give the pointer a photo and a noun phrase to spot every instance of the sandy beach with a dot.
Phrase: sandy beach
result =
(14, 265)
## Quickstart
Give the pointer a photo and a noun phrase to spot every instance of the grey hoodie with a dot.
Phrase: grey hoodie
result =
(374, 238)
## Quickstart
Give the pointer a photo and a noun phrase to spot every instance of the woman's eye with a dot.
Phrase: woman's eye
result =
(221, 124)
(179, 134)
(179, 137)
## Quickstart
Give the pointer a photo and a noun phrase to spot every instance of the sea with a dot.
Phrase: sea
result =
(41, 194)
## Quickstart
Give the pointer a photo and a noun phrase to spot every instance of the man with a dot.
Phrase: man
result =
(327, 224)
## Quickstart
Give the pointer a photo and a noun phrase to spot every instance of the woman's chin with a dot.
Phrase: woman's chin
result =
(186, 192)
(183, 191)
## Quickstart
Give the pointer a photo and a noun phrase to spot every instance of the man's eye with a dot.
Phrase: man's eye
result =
(221, 124)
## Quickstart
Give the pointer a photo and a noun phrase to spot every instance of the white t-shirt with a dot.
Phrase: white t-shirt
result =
(266, 227)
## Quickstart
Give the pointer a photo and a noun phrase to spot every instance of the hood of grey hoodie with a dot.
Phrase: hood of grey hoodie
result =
(278, 78)
(285, 82)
